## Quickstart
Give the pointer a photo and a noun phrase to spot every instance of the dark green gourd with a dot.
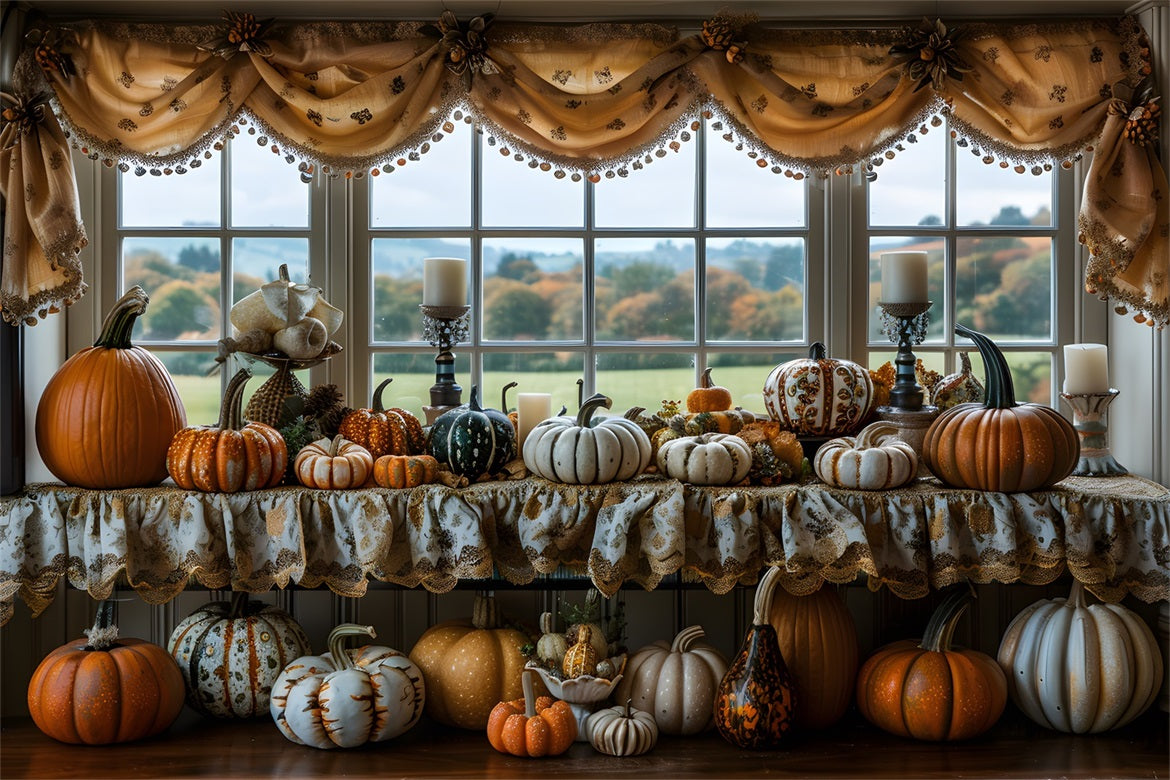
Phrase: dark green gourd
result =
(472, 441)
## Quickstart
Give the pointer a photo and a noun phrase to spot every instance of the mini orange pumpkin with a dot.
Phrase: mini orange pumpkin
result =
(337, 464)
(708, 396)
(384, 431)
(532, 727)
(405, 471)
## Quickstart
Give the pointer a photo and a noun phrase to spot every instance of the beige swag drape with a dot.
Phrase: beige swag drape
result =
(592, 100)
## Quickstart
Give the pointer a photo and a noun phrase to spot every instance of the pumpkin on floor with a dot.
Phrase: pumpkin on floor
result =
(818, 395)
(470, 665)
(676, 682)
(231, 652)
(580, 451)
(472, 441)
(755, 703)
(106, 688)
(929, 690)
(622, 731)
(384, 431)
(532, 726)
(347, 698)
(107, 416)
(1081, 669)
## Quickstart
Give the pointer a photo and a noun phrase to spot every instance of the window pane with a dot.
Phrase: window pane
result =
(434, 191)
(200, 392)
(744, 375)
(257, 260)
(545, 372)
(397, 283)
(190, 199)
(990, 195)
(267, 191)
(741, 194)
(755, 289)
(414, 373)
(518, 195)
(181, 276)
(644, 289)
(1031, 372)
(660, 195)
(645, 378)
(935, 282)
(532, 289)
(911, 188)
(1003, 287)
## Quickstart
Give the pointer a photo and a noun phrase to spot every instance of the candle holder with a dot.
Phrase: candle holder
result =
(444, 327)
(1089, 420)
(905, 324)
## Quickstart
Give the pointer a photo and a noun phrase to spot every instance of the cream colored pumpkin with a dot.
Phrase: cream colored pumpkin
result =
(675, 682)
(580, 452)
(333, 464)
(875, 460)
(551, 647)
(622, 731)
(1078, 668)
(709, 459)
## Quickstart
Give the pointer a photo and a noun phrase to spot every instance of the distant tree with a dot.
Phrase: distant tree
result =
(512, 310)
(784, 266)
(1010, 215)
(199, 258)
(513, 266)
(395, 308)
(177, 308)
(930, 219)
(639, 276)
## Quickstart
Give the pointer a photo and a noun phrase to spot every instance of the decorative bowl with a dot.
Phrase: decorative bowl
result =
(584, 694)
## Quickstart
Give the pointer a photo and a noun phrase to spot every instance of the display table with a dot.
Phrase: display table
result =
(1113, 534)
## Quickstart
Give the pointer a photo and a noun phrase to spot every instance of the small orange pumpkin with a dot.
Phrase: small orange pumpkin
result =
(384, 431)
(532, 727)
(230, 455)
(708, 396)
(405, 471)
(337, 464)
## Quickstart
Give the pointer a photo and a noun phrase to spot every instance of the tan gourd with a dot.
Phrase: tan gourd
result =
(581, 658)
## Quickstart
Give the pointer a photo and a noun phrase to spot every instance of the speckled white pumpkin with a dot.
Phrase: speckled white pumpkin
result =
(709, 459)
(875, 460)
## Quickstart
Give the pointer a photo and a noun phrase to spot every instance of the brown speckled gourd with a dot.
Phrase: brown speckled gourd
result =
(581, 658)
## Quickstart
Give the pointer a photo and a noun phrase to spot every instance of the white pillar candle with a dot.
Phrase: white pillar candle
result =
(904, 277)
(444, 281)
(531, 409)
(1086, 369)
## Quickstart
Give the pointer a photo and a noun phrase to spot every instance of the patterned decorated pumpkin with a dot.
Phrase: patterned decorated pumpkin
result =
(231, 653)
(472, 441)
(756, 699)
(384, 431)
(582, 451)
(710, 459)
(819, 396)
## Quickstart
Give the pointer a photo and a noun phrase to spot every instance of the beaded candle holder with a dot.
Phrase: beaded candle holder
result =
(906, 324)
(1090, 421)
(444, 327)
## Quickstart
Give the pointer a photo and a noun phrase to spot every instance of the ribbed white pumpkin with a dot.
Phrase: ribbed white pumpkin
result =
(230, 654)
(347, 698)
(579, 452)
(675, 682)
(337, 464)
(818, 395)
(1080, 669)
(709, 459)
(875, 460)
(622, 731)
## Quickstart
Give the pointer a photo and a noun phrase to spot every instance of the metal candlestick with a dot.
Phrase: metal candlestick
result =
(906, 323)
(1089, 420)
(444, 327)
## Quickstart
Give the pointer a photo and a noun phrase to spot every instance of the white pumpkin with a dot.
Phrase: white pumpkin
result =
(347, 698)
(709, 459)
(819, 396)
(1080, 669)
(622, 731)
(578, 452)
(551, 646)
(676, 683)
(875, 460)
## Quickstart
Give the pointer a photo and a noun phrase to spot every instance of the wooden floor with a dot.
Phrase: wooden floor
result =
(194, 747)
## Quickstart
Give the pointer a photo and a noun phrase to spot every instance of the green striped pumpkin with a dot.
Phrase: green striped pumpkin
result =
(472, 441)
(231, 653)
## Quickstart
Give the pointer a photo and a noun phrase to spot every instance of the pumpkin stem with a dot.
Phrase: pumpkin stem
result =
(473, 404)
(104, 633)
(941, 626)
(239, 605)
(964, 363)
(633, 412)
(705, 380)
(997, 377)
(580, 392)
(377, 405)
(336, 642)
(119, 321)
(231, 415)
(627, 714)
(818, 351)
(504, 396)
(687, 637)
(282, 273)
(529, 692)
(546, 622)
(763, 601)
(585, 413)
(1076, 596)
(485, 614)
(872, 434)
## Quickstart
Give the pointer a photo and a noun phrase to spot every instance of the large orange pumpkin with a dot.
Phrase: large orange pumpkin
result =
(471, 665)
(819, 643)
(928, 690)
(105, 689)
(230, 455)
(384, 431)
(108, 414)
(1000, 445)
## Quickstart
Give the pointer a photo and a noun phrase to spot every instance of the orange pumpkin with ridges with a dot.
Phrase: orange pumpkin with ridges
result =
(532, 726)
(384, 431)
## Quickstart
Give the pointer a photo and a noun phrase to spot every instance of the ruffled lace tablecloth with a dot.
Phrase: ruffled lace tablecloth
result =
(1112, 533)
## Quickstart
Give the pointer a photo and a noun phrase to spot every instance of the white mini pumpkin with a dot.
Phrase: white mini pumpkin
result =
(579, 452)
(622, 731)
(709, 459)
(875, 460)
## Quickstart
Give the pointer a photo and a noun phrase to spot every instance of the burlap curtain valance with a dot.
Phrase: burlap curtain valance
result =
(590, 100)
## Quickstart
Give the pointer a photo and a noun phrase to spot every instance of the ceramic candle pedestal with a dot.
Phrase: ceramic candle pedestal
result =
(912, 425)
(1089, 419)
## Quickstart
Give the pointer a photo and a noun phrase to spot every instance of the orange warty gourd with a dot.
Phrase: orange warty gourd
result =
(708, 396)
(928, 690)
(532, 727)
(384, 431)
(108, 414)
(230, 455)
(105, 689)
(1000, 445)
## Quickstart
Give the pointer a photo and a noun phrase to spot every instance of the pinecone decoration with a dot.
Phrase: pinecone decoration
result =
(718, 33)
(326, 405)
(1141, 127)
(267, 404)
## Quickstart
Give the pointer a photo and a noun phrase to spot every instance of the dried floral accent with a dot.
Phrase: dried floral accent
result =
(25, 113)
(1141, 109)
(242, 32)
(776, 453)
(725, 33)
(883, 381)
(465, 43)
(47, 51)
(930, 54)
